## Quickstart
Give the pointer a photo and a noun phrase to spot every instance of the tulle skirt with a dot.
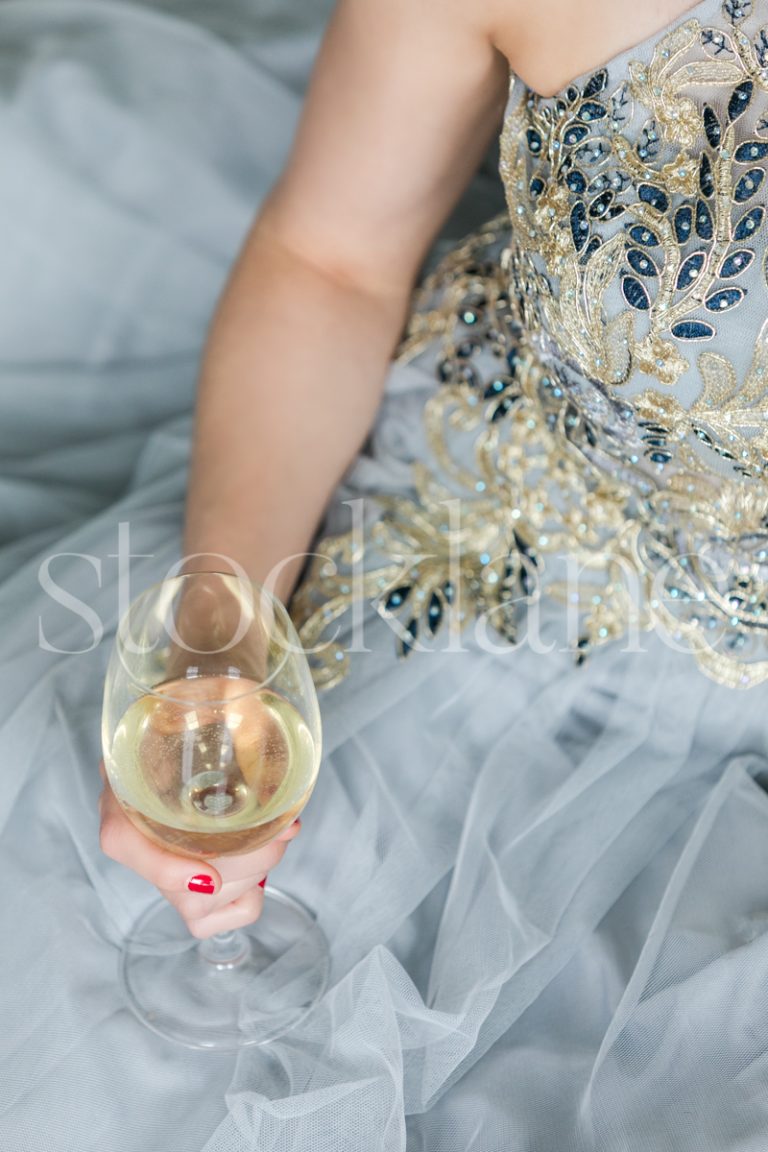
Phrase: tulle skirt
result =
(545, 886)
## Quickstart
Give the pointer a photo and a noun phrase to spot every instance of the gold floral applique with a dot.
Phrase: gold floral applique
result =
(638, 203)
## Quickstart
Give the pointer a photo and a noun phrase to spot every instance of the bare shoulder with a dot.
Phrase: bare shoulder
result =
(435, 21)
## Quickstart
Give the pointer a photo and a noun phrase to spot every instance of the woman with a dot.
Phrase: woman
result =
(538, 842)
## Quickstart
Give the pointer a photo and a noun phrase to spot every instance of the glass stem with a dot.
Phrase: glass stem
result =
(226, 950)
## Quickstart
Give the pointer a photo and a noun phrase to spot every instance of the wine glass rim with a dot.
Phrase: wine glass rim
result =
(255, 686)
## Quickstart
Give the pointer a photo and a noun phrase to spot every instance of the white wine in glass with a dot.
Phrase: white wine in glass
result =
(212, 765)
(211, 734)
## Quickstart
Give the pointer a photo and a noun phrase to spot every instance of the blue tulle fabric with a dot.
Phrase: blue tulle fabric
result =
(545, 887)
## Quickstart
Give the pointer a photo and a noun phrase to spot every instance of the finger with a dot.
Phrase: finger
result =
(254, 865)
(261, 749)
(196, 907)
(124, 843)
(169, 716)
(236, 915)
(258, 863)
(291, 832)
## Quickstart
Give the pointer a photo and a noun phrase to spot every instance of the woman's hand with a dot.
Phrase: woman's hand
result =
(210, 895)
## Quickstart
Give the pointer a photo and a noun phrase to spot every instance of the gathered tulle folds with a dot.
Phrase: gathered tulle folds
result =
(544, 885)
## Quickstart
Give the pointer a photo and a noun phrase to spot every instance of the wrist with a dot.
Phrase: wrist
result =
(279, 577)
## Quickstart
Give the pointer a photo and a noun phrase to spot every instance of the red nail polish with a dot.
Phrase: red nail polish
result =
(203, 884)
(263, 883)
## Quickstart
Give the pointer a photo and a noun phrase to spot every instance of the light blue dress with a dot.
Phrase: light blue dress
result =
(539, 841)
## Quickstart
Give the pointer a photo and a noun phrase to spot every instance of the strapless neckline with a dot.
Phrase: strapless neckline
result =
(612, 64)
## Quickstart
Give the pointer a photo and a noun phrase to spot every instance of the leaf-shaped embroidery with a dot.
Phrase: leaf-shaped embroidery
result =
(704, 225)
(535, 142)
(712, 127)
(602, 269)
(644, 236)
(674, 44)
(592, 110)
(750, 151)
(641, 263)
(684, 224)
(597, 84)
(719, 381)
(575, 134)
(618, 342)
(706, 179)
(740, 100)
(579, 225)
(734, 413)
(726, 299)
(601, 204)
(736, 263)
(397, 598)
(434, 615)
(690, 270)
(635, 294)
(749, 223)
(749, 185)
(654, 196)
(693, 330)
(717, 43)
(577, 182)
(594, 243)
(717, 73)
(755, 387)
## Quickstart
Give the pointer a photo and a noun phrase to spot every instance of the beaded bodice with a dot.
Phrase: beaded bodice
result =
(605, 350)
(638, 214)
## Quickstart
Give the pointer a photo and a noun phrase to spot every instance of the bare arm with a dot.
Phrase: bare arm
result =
(402, 105)
(400, 111)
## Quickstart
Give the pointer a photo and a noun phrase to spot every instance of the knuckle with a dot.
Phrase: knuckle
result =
(287, 836)
(192, 907)
(248, 907)
(165, 875)
(275, 853)
(201, 929)
(237, 914)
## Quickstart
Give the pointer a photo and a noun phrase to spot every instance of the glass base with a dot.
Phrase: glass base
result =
(247, 987)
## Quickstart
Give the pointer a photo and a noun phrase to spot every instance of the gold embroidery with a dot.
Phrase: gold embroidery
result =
(630, 243)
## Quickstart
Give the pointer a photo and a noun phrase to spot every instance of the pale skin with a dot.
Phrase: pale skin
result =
(403, 104)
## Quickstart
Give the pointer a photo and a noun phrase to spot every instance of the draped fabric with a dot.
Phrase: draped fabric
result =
(543, 882)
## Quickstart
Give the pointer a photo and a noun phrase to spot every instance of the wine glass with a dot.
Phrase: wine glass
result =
(211, 735)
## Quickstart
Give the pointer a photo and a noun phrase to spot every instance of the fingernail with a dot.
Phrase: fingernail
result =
(203, 884)
(263, 883)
